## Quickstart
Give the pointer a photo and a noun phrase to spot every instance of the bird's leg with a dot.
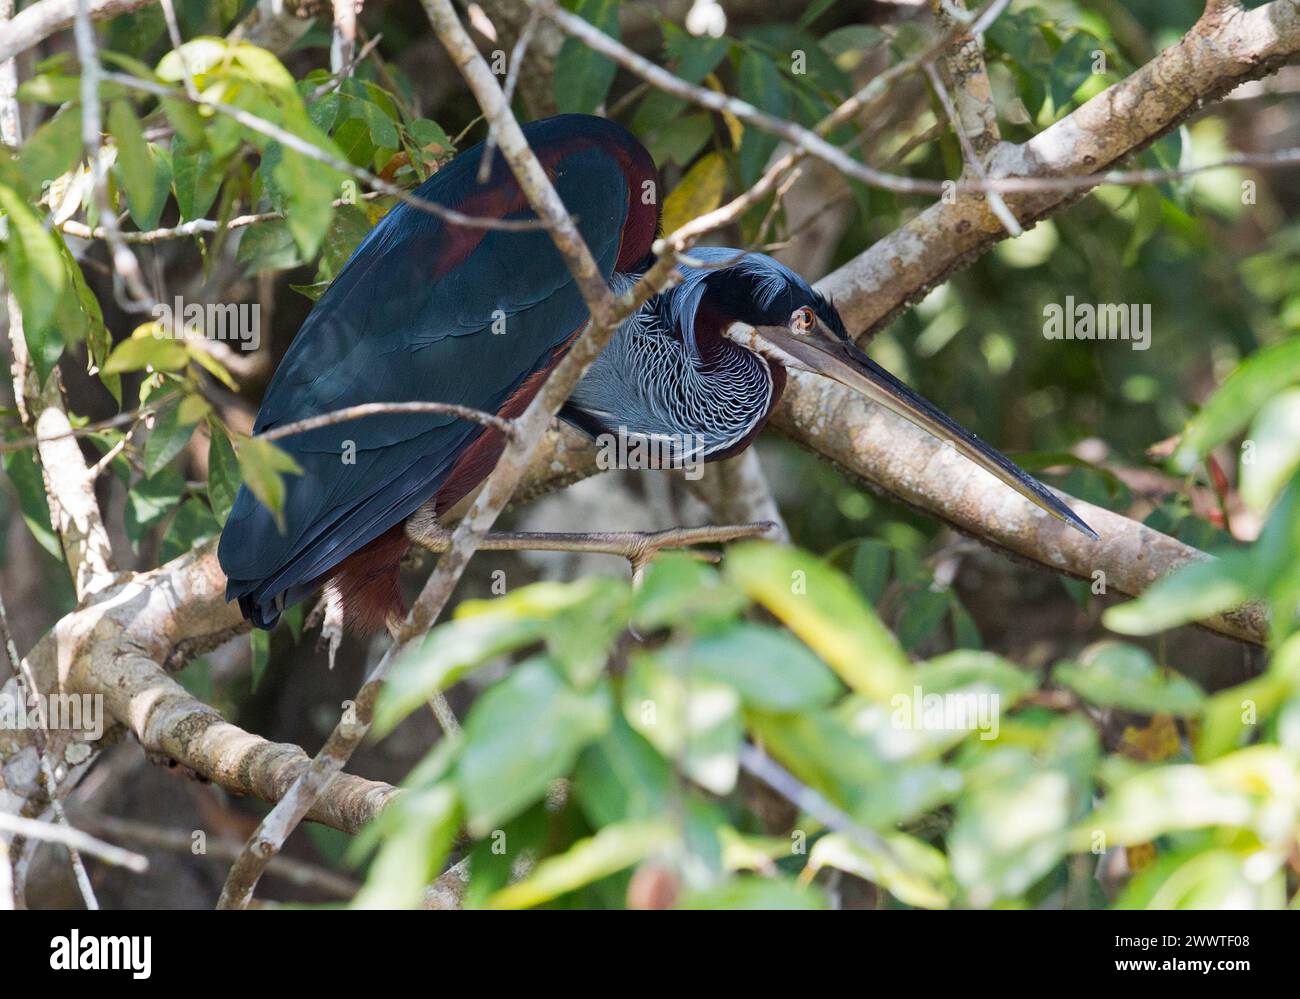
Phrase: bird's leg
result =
(638, 547)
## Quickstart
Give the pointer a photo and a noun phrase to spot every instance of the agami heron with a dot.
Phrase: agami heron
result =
(429, 311)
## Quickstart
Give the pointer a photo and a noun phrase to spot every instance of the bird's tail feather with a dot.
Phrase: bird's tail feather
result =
(368, 583)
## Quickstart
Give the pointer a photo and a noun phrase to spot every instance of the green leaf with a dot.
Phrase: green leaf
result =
(1071, 66)
(621, 776)
(691, 720)
(450, 653)
(1240, 790)
(762, 86)
(172, 429)
(755, 893)
(383, 133)
(912, 871)
(850, 767)
(267, 70)
(308, 189)
(35, 267)
(965, 669)
(821, 606)
(582, 77)
(1012, 823)
(263, 466)
(1119, 675)
(519, 736)
(192, 525)
(79, 316)
(694, 57)
(1009, 831)
(418, 830)
(259, 656)
(609, 851)
(147, 351)
(224, 478)
(814, 10)
(429, 133)
(766, 666)
(578, 621)
(29, 484)
(680, 143)
(268, 246)
(1271, 456)
(1202, 880)
(851, 38)
(679, 590)
(349, 226)
(493, 860)
(1198, 590)
(1257, 380)
(201, 55)
(52, 151)
(870, 569)
(1234, 715)
(196, 178)
(137, 166)
(923, 612)
(150, 500)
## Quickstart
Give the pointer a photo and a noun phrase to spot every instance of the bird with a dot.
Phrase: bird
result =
(437, 311)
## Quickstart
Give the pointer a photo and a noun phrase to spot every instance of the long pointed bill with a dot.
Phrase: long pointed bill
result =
(829, 356)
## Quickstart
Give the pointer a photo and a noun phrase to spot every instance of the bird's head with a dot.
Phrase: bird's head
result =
(763, 306)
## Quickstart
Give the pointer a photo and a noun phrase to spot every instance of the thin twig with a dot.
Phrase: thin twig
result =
(512, 80)
(336, 80)
(194, 227)
(344, 38)
(377, 408)
(996, 205)
(174, 31)
(126, 269)
(218, 848)
(758, 764)
(121, 419)
(75, 840)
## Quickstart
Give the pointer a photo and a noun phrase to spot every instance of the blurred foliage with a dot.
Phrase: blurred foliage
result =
(604, 768)
(598, 762)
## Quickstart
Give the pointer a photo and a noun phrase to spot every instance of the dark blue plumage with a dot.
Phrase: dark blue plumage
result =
(414, 303)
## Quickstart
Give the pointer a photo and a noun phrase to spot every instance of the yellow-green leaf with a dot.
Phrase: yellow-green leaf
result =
(609, 851)
(822, 607)
(700, 191)
(263, 466)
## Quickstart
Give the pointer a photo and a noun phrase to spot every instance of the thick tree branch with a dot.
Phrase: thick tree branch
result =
(36, 23)
(1216, 55)
(966, 76)
(118, 650)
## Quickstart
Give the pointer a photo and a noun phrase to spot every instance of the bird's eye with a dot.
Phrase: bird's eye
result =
(803, 320)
